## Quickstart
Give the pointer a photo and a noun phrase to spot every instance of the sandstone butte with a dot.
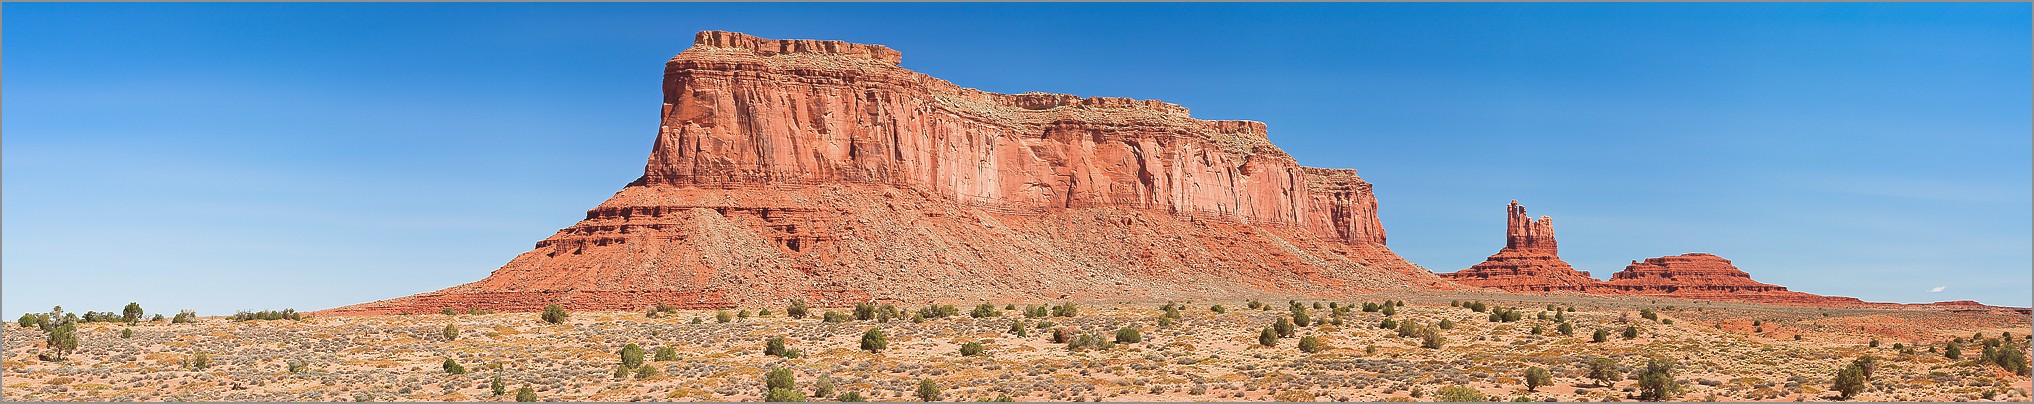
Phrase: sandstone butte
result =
(824, 171)
(1529, 262)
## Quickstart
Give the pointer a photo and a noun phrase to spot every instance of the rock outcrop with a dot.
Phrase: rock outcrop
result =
(1707, 277)
(824, 171)
(1529, 262)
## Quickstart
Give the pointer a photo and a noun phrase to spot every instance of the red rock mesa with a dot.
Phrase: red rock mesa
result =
(1529, 262)
(823, 171)
(1704, 276)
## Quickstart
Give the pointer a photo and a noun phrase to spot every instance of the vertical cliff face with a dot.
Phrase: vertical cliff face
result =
(1529, 262)
(824, 171)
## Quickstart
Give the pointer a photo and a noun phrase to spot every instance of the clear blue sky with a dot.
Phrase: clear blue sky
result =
(248, 156)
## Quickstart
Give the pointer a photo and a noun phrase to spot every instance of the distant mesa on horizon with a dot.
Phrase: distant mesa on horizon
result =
(822, 171)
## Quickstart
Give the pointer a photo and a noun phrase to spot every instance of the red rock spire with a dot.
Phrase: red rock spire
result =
(1523, 233)
(1529, 261)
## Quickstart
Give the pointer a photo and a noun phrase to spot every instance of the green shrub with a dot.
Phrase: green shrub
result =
(971, 349)
(448, 311)
(796, 310)
(1446, 324)
(723, 316)
(295, 366)
(285, 314)
(495, 387)
(1036, 311)
(453, 368)
(1952, 351)
(631, 356)
(1537, 330)
(874, 342)
(1431, 338)
(132, 313)
(526, 395)
(1311, 344)
(1017, 328)
(865, 311)
(30, 320)
(744, 315)
(1631, 331)
(62, 338)
(1129, 335)
(645, 372)
(1267, 337)
(851, 397)
(1218, 309)
(200, 361)
(126, 333)
(1284, 327)
(985, 310)
(1656, 382)
(1299, 318)
(1068, 309)
(1600, 335)
(1460, 394)
(1647, 313)
(774, 346)
(1604, 371)
(833, 317)
(1387, 324)
(1254, 305)
(824, 387)
(779, 378)
(666, 354)
(1388, 310)
(1849, 381)
(1537, 376)
(185, 316)
(1566, 328)
(928, 390)
(553, 314)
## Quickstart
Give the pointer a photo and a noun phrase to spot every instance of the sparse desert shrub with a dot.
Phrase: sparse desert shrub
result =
(1873, 344)
(1537, 330)
(1604, 371)
(1267, 337)
(62, 338)
(1299, 318)
(1849, 381)
(971, 348)
(865, 311)
(1952, 351)
(762, 312)
(1387, 324)
(126, 333)
(1446, 324)
(1068, 309)
(1369, 307)
(1460, 394)
(1600, 335)
(453, 368)
(495, 387)
(1031, 311)
(285, 314)
(1284, 327)
(1254, 305)
(723, 316)
(30, 320)
(451, 332)
(1566, 328)
(1647, 313)
(874, 341)
(985, 310)
(448, 311)
(1431, 338)
(774, 346)
(1129, 335)
(526, 395)
(1656, 382)
(1017, 328)
(832, 317)
(1631, 331)
(796, 310)
(132, 313)
(645, 372)
(851, 397)
(744, 315)
(1311, 344)
(1537, 376)
(779, 385)
(298, 366)
(1388, 309)
(553, 314)
(1166, 322)
(1218, 309)
(631, 356)
(1478, 307)
(199, 361)
(928, 390)
(824, 387)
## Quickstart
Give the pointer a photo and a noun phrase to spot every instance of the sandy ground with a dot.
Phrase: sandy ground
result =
(1206, 356)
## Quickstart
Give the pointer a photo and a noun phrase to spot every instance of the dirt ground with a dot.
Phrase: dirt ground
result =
(1203, 356)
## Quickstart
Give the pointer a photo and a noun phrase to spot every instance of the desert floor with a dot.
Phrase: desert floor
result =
(1204, 356)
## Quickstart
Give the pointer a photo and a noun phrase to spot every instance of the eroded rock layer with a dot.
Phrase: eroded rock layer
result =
(1704, 276)
(1529, 262)
(823, 171)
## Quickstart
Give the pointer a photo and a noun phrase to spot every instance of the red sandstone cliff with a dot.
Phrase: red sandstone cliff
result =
(822, 170)
(1529, 262)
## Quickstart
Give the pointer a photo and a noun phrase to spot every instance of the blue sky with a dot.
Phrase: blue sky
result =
(222, 157)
